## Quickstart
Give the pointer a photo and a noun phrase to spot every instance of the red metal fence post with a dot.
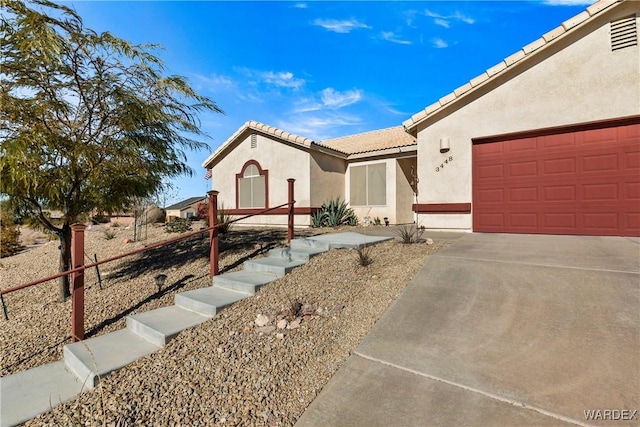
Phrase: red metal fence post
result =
(77, 294)
(213, 234)
(291, 202)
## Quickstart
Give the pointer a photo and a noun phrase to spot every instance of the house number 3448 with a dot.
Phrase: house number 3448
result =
(443, 164)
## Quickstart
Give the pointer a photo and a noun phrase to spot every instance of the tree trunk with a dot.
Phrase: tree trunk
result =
(65, 260)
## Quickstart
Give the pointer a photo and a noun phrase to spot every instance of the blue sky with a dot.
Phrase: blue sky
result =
(323, 69)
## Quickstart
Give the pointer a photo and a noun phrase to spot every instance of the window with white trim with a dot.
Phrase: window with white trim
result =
(368, 185)
(251, 188)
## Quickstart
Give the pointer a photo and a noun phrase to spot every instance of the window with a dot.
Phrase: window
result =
(252, 186)
(368, 185)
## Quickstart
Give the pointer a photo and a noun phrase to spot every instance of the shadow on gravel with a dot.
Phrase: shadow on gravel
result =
(197, 247)
(174, 287)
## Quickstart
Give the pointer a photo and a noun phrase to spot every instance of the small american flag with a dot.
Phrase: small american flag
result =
(208, 174)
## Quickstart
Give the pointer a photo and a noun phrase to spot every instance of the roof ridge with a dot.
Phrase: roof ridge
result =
(510, 60)
(359, 134)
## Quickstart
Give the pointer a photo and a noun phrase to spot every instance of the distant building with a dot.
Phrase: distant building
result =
(187, 208)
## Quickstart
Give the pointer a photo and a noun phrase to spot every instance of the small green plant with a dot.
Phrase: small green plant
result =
(223, 218)
(364, 255)
(317, 218)
(108, 234)
(178, 225)
(333, 214)
(410, 233)
(377, 221)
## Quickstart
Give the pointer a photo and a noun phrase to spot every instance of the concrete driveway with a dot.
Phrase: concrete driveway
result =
(501, 330)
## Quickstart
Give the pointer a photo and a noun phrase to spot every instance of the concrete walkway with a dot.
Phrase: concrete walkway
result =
(501, 330)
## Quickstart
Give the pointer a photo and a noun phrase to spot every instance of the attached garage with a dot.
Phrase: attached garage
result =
(582, 179)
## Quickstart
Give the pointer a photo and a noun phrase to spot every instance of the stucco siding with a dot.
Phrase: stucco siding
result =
(578, 79)
(404, 194)
(282, 162)
(327, 178)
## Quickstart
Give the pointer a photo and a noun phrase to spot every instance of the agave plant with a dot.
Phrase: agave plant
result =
(334, 213)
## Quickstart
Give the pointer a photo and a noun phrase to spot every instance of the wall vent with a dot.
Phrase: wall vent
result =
(254, 140)
(624, 33)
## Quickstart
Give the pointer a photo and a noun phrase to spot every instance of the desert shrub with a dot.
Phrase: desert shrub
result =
(364, 255)
(223, 217)
(333, 214)
(178, 225)
(410, 233)
(9, 239)
(108, 234)
(9, 233)
(377, 221)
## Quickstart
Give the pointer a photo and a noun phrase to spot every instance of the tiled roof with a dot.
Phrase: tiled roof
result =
(260, 127)
(184, 204)
(524, 53)
(371, 141)
(366, 142)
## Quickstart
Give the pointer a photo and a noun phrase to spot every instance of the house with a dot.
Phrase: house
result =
(187, 208)
(371, 170)
(546, 141)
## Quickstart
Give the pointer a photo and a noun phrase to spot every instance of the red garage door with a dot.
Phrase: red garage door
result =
(569, 182)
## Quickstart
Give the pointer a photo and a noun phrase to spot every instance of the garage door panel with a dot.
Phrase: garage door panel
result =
(631, 191)
(560, 221)
(523, 194)
(598, 136)
(600, 192)
(601, 163)
(524, 145)
(585, 182)
(490, 171)
(560, 193)
(557, 141)
(563, 166)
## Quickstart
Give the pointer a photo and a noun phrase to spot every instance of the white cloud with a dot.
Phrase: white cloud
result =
(300, 5)
(445, 20)
(442, 22)
(343, 27)
(213, 82)
(329, 99)
(320, 127)
(391, 37)
(335, 99)
(281, 79)
(439, 43)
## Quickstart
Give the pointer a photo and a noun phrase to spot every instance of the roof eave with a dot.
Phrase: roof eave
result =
(409, 150)
(512, 62)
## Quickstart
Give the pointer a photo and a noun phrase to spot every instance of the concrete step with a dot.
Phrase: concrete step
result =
(208, 301)
(299, 253)
(279, 267)
(161, 325)
(308, 242)
(97, 357)
(244, 281)
(340, 240)
(30, 393)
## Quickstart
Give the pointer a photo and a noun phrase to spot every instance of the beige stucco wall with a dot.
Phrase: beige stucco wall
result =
(327, 178)
(281, 160)
(577, 79)
(405, 196)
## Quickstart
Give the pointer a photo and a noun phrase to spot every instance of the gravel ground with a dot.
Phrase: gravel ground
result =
(230, 370)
